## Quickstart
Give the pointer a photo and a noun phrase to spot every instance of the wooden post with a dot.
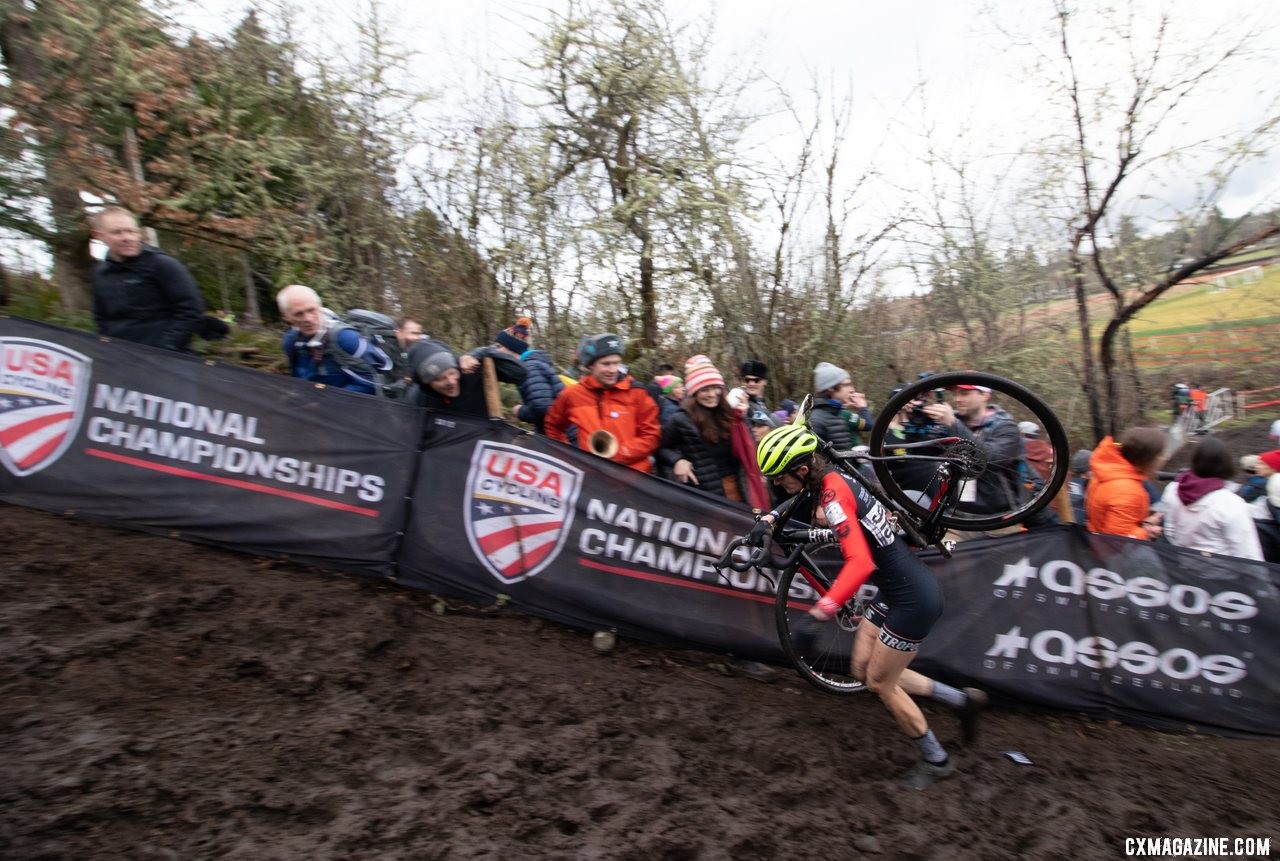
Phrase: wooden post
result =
(492, 400)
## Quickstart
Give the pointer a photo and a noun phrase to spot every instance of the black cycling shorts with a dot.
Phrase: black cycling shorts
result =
(906, 619)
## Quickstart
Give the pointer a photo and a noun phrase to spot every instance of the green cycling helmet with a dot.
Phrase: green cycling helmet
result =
(784, 448)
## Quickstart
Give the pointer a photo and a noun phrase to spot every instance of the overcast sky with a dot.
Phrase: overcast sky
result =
(979, 96)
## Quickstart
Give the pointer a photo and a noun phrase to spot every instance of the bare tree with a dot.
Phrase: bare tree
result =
(1161, 79)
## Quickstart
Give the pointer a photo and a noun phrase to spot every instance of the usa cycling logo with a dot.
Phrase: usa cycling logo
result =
(42, 396)
(519, 507)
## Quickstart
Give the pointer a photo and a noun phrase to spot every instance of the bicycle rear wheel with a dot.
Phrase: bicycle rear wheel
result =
(826, 662)
(1004, 492)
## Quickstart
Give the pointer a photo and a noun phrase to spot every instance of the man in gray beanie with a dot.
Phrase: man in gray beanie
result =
(839, 410)
(450, 383)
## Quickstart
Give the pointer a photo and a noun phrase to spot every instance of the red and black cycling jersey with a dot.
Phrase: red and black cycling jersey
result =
(871, 546)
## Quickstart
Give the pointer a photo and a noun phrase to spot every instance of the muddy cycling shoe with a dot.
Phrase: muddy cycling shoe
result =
(975, 701)
(924, 774)
(751, 669)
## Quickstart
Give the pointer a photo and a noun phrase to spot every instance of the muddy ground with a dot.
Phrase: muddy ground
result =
(161, 700)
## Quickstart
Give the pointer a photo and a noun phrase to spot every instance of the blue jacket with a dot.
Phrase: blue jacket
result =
(667, 407)
(538, 389)
(317, 364)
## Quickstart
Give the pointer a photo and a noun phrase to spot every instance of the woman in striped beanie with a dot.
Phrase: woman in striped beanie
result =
(707, 445)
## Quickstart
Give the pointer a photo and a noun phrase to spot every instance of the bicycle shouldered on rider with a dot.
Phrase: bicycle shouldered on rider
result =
(908, 604)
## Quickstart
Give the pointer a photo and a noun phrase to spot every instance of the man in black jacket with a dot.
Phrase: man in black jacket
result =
(450, 383)
(755, 376)
(140, 293)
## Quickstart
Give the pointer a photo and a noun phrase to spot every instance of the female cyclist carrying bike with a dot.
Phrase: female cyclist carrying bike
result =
(909, 600)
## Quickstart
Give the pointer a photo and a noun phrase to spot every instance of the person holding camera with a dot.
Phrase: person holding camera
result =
(972, 416)
(913, 425)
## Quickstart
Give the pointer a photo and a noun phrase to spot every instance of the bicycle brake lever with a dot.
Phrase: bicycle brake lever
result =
(756, 558)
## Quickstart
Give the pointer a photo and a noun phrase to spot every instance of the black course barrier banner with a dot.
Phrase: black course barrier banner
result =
(171, 443)
(155, 440)
(1115, 628)
(1056, 617)
(582, 540)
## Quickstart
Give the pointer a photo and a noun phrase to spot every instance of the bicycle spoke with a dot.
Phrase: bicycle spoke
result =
(825, 662)
(997, 492)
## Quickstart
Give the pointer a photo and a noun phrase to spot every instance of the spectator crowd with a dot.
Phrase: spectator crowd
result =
(689, 426)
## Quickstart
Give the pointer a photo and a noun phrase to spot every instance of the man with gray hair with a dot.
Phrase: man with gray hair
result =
(321, 349)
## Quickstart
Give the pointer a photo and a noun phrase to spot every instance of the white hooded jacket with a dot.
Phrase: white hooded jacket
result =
(1218, 522)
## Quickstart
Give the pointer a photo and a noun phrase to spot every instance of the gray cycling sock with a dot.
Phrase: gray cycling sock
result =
(930, 748)
(948, 695)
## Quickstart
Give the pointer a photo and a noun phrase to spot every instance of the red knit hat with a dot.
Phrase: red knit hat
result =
(1271, 459)
(700, 373)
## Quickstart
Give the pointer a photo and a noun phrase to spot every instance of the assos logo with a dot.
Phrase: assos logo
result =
(519, 507)
(43, 388)
(1067, 578)
(1100, 653)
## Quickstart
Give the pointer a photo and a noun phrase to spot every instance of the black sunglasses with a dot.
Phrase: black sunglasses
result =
(753, 379)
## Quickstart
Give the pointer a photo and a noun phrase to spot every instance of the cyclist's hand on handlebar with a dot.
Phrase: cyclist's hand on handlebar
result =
(756, 536)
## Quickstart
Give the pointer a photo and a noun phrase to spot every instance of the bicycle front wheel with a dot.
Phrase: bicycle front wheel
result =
(999, 490)
(827, 662)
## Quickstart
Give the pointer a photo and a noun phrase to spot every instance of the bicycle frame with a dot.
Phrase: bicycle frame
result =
(920, 532)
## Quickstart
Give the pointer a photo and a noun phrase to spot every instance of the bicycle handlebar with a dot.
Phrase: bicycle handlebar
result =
(796, 539)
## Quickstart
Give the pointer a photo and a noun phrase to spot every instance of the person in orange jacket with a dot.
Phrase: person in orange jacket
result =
(1116, 500)
(607, 399)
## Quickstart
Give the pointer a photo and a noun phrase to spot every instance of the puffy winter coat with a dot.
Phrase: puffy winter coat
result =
(681, 440)
(1116, 501)
(538, 392)
(623, 409)
(830, 421)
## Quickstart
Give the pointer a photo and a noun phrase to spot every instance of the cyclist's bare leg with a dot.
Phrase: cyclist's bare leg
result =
(884, 672)
(864, 638)
(868, 634)
(916, 684)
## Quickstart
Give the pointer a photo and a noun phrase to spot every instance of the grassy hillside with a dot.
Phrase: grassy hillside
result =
(1212, 305)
